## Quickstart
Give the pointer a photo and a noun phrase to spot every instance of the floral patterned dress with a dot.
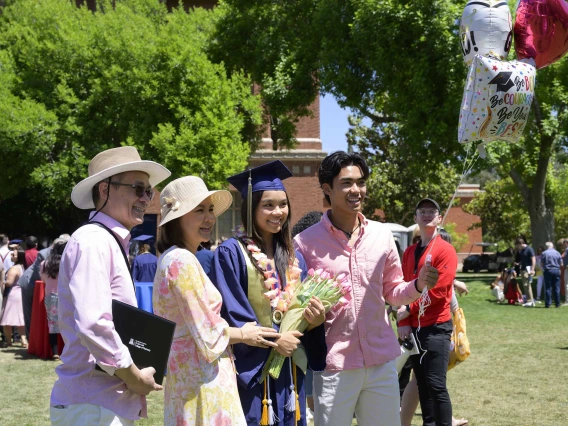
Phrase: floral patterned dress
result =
(201, 385)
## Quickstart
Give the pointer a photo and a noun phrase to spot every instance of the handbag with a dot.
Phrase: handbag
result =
(459, 346)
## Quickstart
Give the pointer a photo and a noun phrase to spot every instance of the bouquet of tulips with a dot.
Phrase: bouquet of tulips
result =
(332, 291)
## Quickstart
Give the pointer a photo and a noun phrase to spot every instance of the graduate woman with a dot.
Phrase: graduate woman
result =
(251, 272)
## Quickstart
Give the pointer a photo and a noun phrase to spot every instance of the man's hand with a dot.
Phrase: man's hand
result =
(140, 382)
(428, 276)
(314, 313)
(531, 273)
(404, 331)
(288, 343)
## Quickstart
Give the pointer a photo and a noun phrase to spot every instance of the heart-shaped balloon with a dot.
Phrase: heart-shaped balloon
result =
(541, 30)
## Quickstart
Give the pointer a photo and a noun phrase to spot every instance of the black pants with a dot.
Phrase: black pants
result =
(434, 343)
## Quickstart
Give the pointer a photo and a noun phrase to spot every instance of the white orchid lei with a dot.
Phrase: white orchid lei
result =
(279, 297)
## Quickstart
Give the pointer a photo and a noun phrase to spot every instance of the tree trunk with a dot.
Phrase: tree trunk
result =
(541, 207)
(542, 224)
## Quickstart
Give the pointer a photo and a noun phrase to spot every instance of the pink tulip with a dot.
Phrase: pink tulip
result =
(253, 248)
(325, 275)
(341, 277)
(318, 272)
(311, 272)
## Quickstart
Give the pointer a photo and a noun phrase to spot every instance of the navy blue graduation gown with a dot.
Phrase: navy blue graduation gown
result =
(229, 275)
(144, 268)
(205, 258)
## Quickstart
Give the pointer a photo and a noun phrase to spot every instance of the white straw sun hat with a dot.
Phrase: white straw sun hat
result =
(182, 195)
(112, 162)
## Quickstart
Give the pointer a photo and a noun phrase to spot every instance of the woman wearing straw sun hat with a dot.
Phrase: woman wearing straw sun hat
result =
(201, 386)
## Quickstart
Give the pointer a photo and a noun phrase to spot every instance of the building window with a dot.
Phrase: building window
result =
(229, 220)
(296, 169)
(307, 170)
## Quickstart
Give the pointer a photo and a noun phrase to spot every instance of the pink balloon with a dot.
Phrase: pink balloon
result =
(541, 30)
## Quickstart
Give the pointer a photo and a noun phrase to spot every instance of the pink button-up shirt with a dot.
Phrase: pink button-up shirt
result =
(359, 334)
(92, 273)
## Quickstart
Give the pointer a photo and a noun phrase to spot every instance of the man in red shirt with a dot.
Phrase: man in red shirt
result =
(31, 251)
(433, 329)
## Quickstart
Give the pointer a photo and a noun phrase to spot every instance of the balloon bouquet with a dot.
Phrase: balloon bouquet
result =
(498, 93)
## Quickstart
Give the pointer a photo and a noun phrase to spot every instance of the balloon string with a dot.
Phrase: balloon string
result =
(425, 301)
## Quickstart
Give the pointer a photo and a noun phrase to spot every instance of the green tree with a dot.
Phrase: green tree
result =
(458, 238)
(399, 177)
(500, 208)
(73, 83)
(397, 62)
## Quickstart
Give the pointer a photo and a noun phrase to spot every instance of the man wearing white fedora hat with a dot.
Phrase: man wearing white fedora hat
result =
(98, 382)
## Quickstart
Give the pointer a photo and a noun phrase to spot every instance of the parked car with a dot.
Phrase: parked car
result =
(479, 262)
(494, 262)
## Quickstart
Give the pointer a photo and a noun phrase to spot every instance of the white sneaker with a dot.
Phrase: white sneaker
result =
(309, 414)
(529, 304)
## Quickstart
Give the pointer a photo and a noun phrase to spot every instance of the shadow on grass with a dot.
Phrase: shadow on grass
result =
(563, 349)
(22, 354)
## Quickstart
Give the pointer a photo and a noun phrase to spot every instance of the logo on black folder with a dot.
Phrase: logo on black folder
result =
(138, 344)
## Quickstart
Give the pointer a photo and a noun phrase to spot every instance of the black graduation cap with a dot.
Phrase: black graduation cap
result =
(267, 177)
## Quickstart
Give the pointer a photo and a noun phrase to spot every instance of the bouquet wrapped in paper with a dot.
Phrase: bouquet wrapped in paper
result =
(332, 291)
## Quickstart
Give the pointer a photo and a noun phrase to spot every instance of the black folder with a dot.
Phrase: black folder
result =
(148, 337)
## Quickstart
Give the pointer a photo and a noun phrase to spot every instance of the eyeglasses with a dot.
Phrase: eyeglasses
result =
(427, 212)
(139, 189)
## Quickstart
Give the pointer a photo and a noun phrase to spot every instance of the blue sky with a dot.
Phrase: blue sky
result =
(333, 125)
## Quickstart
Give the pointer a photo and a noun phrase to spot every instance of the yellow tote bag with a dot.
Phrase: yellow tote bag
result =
(459, 346)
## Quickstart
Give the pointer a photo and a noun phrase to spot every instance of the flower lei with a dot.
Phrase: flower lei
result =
(279, 298)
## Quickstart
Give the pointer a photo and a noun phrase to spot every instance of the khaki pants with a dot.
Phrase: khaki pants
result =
(526, 279)
(371, 393)
(86, 415)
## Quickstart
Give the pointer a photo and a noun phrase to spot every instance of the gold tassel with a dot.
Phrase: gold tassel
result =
(249, 206)
(264, 417)
(298, 413)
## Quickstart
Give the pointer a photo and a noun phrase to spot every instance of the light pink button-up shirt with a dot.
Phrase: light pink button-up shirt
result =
(91, 274)
(359, 334)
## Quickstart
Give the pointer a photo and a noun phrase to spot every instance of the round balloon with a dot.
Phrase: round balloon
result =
(497, 100)
(486, 29)
(541, 30)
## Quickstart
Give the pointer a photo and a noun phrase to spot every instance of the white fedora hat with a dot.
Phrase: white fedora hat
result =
(182, 195)
(112, 162)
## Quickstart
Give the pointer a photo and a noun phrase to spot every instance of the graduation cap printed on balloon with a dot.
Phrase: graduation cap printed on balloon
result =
(267, 177)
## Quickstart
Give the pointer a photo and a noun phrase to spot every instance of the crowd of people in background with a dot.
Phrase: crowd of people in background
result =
(544, 273)
(342, 366)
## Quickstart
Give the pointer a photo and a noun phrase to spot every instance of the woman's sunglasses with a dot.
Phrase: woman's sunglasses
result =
(139, 189)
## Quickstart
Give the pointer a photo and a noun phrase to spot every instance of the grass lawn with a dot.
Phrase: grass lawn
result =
(517, 373)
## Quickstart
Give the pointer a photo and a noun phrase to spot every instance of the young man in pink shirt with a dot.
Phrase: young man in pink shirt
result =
(360, 373)
(98, 383)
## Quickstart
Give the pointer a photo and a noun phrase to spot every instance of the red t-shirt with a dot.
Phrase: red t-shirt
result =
(445, 260)
(31, 256)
